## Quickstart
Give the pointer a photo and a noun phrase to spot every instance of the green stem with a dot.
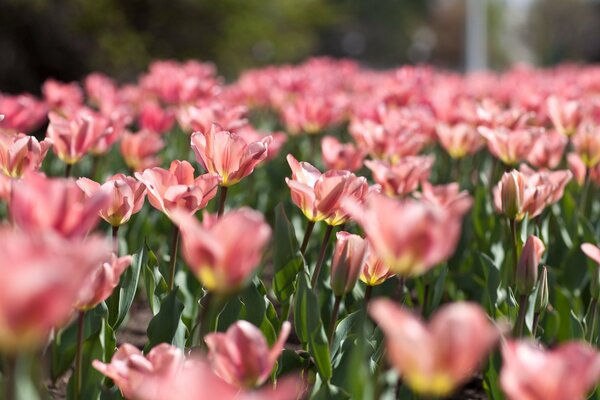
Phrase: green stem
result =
(78, 355)
(115, 239)
(534, 325)
(584, 193)
(317, 271)
(425, 298)
(222, 197)
(400, 289)
(520, 324)
(68, 168)
(204, 317)
(368, 294)
(309, 229)
(10, 381)
(513, 231)
(334, 315)
(593, 312)
(173, 260)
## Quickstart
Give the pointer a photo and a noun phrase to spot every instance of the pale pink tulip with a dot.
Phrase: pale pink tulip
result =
(40, 204)
(139, 150)
(592, 251)
(336, 155)
(101, 283)
(223, 252)
(62, 96)
(21, 153)
(459, 140)
(564, 114)
(510, 146)
(227, 154)
(586, 143)
(22, 113)
(548, 149)
(126, 195)
(577, 168)
(202, 116)
(403, 177)
(310, 114)
(250, 135)
(447, 196)
(43, 274)
(527, 267)
(374, 271)
(409, 236)
(177, 187)
(435, 359)
(529, 372)
(349, 256)
(155, 119)
(241, 356)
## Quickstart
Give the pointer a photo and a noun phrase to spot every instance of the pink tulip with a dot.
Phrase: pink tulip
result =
(241, 356)
(341, 156)
(586, 143)
(409, 236)
(202, 116)
(73, 137)
(126, 194)
(228, 154)
(139, 149)
(447, 196)
(155, 119)
(548, 149)
(310, 114)
(22, 113)
(592, 251)
(577, 168)
(403, 177)
(564, 114)
(177, 187)
(555, 180)
(223, 252)
(21, 153)
(40, 204)
(62, 96)
(459, 140)
(349, 256)
(43, 274)
(101, 283)
(435, 359)
(510, 146)
(529, 372)
(250, 135)
(527, 267)
(320, 196)
(374, 272)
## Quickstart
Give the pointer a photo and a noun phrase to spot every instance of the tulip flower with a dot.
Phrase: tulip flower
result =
(155, 119)
(43, 275)
(403, 177)
(336, 155)
(223, 252)
(510, 146)
(459, 140)
(529, 372)
(564, 114)
(40, 204)
(62, 96)
(577, 168)
(73, 137)
(374, 271)
(348, 259)
(22, 114)
(409, 236)
(241, 356)
(310, 114)
(139, 149)
(320, 196)
(227, 154)
(547, 150)
(100, 285)
(586, 143)
(527, 267)
(21, 153)
(435, 359)
(126, 194)
(177, 187)
(202, 116)
(447, 196)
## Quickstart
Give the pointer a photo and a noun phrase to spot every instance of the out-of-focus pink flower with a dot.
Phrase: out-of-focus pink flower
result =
(320, 196)
(459, 140)
(101, 283)
(577, 167)
(349, 257)
(447, 196)
(227, 154)
(409, 236)
(436, 358)
(251, 135)
(586, 143)
(529, 372)
(510, 146)
(403, 177)
(548, 149)
(223, 252)
(126, 195)
(40, 204)
(374, 271)
(336, 155)
(21, 153)
(62, 96)
(22, 113)
(241, 356)
(564, 114)
(202, 116)
(555, 180)
(43, 274)
(139, 149)
(527, 267)
(156, 119)
(592, 251)
(99, 87)
(74, 136)
(177, 187)
(310, 114)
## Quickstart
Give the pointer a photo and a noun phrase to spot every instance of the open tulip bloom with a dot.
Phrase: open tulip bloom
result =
(457, 214)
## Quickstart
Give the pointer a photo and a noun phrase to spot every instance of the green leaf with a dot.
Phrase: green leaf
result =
(309, 326)
(256, 311)
(287, 260)
(163, 327)
(120, 301)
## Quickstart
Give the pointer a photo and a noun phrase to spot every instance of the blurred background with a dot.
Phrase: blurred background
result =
(66, 39)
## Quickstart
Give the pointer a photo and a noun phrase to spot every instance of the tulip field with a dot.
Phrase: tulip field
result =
(311, 231)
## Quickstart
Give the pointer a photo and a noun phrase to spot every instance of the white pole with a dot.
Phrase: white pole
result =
(476, 35)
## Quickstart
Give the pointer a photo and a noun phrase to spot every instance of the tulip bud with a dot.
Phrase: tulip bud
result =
(527, 267)
(512, 190)
(593, 252)
(541, 299)
(348, 259)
